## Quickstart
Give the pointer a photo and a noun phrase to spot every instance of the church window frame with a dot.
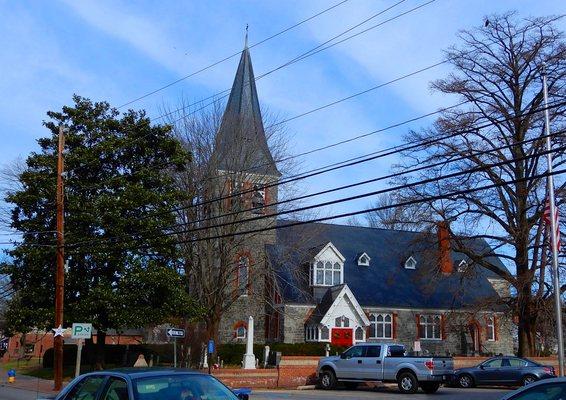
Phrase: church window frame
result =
(490, 328)
(430, 327)
(381, 326)
(258, 199)
(326, 273)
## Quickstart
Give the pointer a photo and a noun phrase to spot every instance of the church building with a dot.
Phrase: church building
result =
(343, 284)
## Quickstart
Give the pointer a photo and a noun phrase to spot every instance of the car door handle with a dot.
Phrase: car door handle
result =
(378, 362)
(359, 361)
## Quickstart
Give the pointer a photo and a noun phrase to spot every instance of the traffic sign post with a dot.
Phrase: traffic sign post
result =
(210, 351)
(80, 331)
(175, 333)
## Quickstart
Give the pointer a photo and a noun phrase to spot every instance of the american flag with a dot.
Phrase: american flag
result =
(547, 215)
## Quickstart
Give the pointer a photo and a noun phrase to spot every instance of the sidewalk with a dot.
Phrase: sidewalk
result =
(30, 383)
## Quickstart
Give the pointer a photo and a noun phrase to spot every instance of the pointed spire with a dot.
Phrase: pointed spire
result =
(246, 40)
(241, 144)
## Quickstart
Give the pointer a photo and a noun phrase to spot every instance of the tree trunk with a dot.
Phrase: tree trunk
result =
(527, 323)
(212, 326)
(100, 350)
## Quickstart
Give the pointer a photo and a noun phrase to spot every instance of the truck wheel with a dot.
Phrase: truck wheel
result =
(408, 383)
(327, 380)
(351, 385)
(430, 387)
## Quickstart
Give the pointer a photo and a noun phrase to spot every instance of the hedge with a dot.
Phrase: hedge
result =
(232, 353)
(229, 353)
(118, 354)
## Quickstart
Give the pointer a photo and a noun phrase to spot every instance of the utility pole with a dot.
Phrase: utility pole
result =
(553, 232)
(60, 272)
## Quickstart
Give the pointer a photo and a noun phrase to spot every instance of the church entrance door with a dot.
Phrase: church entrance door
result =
(342, 336)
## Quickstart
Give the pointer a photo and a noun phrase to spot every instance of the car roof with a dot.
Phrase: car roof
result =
(134, 373)
(535, 384)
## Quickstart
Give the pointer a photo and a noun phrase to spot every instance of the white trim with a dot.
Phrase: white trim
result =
(329, 317)
(362, 264)
(329, 245)
(410, 261)
(384, 323)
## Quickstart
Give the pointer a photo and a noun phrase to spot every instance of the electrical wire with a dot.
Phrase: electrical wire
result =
(232, 55)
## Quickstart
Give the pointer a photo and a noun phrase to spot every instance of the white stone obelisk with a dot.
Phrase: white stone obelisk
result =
(249, 357)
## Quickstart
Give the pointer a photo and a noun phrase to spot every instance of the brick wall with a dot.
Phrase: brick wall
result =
(297, 371)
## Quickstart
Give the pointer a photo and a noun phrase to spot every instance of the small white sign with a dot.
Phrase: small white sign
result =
(417, 345)
(81, 331)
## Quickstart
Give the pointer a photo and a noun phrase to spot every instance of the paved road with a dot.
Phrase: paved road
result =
(10, 393)
(379, 394)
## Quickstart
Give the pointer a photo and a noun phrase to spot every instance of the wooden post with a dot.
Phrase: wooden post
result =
(60, 273)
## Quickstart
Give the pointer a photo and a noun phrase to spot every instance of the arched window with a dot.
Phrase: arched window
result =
(258, 199)
(359, 333)
(324, 333)
(380, 326)
(243, 275)
(240, 330)
(491, 329)
(342, 322)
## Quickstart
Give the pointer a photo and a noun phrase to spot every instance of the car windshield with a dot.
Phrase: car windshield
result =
(181, 387)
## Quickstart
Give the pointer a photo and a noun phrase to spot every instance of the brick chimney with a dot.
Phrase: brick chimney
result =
(445, 259)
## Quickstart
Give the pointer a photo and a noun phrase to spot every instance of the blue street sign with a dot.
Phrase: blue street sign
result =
(210, 346)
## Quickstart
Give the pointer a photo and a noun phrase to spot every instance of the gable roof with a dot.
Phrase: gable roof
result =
(332, 295)
(387, 283)
(241, 144)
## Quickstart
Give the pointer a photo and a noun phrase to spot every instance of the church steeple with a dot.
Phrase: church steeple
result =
(241, 144)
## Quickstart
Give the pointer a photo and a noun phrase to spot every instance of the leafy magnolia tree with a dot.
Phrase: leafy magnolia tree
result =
(118, 196)
(497, 72)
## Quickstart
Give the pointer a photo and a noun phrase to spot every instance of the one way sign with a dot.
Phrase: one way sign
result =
(176, 333)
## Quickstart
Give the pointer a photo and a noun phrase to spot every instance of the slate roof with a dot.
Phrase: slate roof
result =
(385, 283)
(326, 302)
(241, 144)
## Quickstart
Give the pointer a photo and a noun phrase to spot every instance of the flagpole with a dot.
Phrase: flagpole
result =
(553, 237)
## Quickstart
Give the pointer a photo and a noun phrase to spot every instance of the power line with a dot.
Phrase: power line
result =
(232, 55)
(377, 192)
(315, 50)
(348, 186)
(353, 213)
(373, 180)
(383, 153)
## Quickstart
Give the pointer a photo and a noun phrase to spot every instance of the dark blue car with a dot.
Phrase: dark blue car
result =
(148, 384)
(509, 371)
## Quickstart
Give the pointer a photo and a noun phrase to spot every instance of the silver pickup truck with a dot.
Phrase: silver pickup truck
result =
(385, 362)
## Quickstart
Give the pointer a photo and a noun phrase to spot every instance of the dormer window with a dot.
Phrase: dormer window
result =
(462, 266)
(327, 268)
(327, 273)
(363, 260)
(411, 263)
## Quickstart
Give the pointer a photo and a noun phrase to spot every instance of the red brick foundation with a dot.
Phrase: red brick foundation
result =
(301, 370)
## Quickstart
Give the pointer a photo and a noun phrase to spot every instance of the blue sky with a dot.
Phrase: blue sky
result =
(118, 50)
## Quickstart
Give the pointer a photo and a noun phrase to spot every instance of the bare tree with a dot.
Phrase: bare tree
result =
(397, 218)
(497, 72)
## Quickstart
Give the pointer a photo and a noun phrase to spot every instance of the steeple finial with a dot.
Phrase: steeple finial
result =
(246, 40)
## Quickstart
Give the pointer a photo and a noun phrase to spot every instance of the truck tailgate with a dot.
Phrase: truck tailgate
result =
(443, 366)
